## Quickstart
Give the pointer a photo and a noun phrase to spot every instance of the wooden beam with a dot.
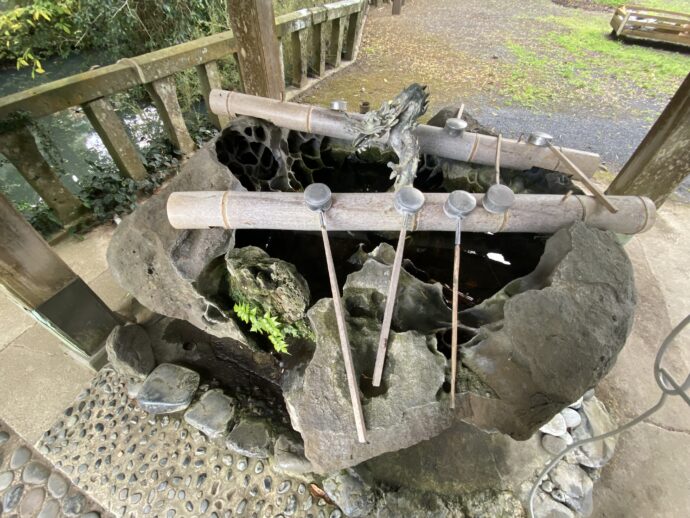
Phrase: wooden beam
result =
(164, 95)
(20, 148)
(662, 161)
(335, 50)
(253, 24)
(29, 268)
(112, 131)
(209, 77)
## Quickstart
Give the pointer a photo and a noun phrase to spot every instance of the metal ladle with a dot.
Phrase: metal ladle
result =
(498, 198)
(458, 205)
(318, 198)
(408, 201)
(541, 139)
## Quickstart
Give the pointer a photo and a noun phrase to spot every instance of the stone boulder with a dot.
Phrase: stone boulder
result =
(548, 337)
(410, 406)
(129, 351)
(160, 265)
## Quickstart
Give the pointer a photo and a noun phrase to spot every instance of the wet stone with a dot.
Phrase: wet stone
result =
(169, 388)
(20, 457)
(4, 437)
(129, 352)
(35, 473)
(572, 417)
(212, 413)
(251, 438)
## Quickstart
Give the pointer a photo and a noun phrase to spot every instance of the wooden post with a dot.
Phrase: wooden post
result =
(319, 34)
(662, 161)
(39, 281)
(209, 78)
(164, 95)
(335, 50)
(397, 7)
(354, 33)
(236, 58)
(300, 58)
(112, 131)
(253, 24)
(20, 148)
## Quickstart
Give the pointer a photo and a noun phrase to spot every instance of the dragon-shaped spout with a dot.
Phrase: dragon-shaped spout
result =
(396, 119)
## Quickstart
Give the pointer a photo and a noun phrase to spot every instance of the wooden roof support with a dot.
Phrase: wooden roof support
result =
(253, 24)
(662, 160)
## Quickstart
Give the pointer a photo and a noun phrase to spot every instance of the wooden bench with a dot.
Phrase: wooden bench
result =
(651, 24)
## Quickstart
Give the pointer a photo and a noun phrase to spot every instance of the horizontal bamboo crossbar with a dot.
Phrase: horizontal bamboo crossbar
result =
(542, 213)
(470, 147)
(104, 81)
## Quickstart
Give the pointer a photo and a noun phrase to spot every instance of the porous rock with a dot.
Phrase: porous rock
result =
(251, 438)
(168, 389)
(272, 284)
(211, 414)
(366, 291)
(546, 338)
(403, 411)
(160, 265)
(129, 351)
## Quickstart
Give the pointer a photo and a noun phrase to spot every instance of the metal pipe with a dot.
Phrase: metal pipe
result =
(541, 213)
(468, 147)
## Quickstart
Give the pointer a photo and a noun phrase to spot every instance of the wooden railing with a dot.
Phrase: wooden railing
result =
(331, 48)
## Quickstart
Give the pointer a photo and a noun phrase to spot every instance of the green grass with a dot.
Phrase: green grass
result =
(578, 60)
(682, 6)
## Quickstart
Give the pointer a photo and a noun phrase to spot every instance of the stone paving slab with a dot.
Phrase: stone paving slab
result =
(31, 487)
(139, 465)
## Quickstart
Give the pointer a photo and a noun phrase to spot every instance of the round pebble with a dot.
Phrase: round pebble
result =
(5, 480)
(577, 404)
(12, 498)
(35, 473)
(73, 505)
(51, 509)
(20, 457)
(554, 445)
(32, 502)
(572, 417)
(555, 427)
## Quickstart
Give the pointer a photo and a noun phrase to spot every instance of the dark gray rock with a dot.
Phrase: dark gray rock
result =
(212, 413)
(57, 485)
(546, 338)
(573, 487)
(161, 266)
(129, 351)
(409, 407)
(251, 438)
(366, 292)
(288, 457)
(169, 388)
(12, 498)
(4, 437)
(35, 473)
(350, 493)
(271, 284)
(461, 460)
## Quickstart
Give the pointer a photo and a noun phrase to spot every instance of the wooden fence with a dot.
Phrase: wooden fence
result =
(332, 47)
(659, 25)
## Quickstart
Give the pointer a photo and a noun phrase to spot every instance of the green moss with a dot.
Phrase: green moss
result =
(579, 61)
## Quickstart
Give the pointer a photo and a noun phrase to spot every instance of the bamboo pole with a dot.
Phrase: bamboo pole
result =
(468, 147)
(541, 213)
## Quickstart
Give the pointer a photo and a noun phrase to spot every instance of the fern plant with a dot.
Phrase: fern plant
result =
(267, 324)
